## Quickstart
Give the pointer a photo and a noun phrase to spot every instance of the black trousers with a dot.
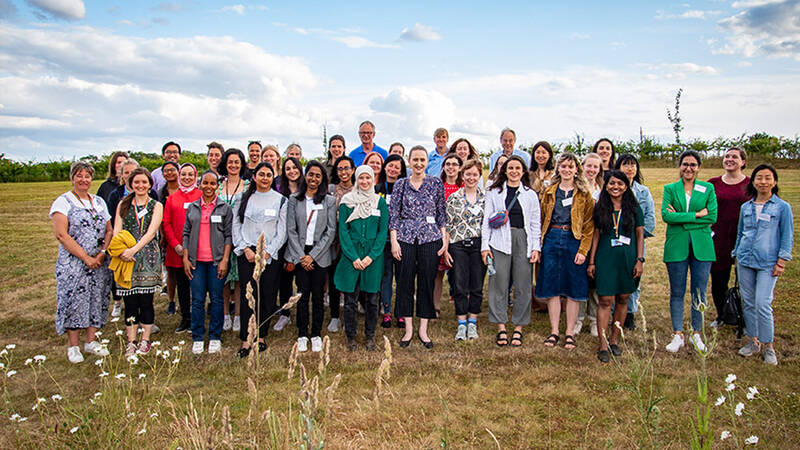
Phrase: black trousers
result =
(139, 309)
(421, 263)
(466, 276)
(287, 279)
(184, 292)
(719, 285)
(312, 287)
(268, 291)
(333, 293)
(371, 300)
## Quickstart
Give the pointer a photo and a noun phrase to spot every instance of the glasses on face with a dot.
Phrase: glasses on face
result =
(172, 152)
(344, 169)
(366, 133)
(690, 165)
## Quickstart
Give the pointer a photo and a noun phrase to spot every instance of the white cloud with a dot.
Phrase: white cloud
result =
(416, 111)
(360, 42)
(768, 28)
(580, 36)
(690, 14)
(238, 9)
(62, 9)
(420, 32)
(744, 64)
(678, 70)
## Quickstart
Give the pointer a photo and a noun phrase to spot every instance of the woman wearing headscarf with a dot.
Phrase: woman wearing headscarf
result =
(363, 227)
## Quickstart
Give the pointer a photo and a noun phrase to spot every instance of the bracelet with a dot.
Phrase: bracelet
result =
(590, 264)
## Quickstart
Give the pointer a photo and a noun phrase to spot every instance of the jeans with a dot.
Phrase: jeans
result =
(678, 272)
(351, 312)
(467, 276)
(756, 287)
(390, 271)
(204, 279)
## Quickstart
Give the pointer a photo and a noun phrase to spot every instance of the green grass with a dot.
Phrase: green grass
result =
(528, 397)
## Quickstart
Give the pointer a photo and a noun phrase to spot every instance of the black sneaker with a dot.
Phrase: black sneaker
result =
(171, 308)
(184, 327)
(630, 323)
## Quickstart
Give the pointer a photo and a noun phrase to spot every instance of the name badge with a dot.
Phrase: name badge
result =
(566, 201)
(269, 212)
(625, 240)
(388, 198)
(186, 205)
(142, 213)
(216, 219)
(430, 219)
(316, 207)
(475, 209)
(699, 188)
(376, 212)
(764, 217)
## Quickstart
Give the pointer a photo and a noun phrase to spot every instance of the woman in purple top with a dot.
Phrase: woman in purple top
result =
(731, 190)
(418, 239)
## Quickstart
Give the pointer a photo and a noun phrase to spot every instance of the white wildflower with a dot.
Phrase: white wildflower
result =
(724, 435)
(97, 394)
(142, 431)
(73, 430)
(154, 415)
(115, 319)
(11, 346)
(99, 362)
(176, 361)
(98, 333)
(181, 342)
(752, 440)
(119, 376)
(730, 387)
(11, 373)
(118, 333)
(104, 342)
(133, 359)
(175, 348)
(730, 378)
(720, 400)
(91, 400)
(156, 343)
(40, 358)
(28, 362)
(739, 409)
(22, 419)
(752, 392)
(141, 376)
(2, 365)
(56, 397)
(3, 352)
(103, 374)
(41, 400)
(130, 414)
(14, 417)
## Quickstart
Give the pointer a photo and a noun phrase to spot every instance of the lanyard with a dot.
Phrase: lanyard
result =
(139, 221)
(615, 215)
(91, 205)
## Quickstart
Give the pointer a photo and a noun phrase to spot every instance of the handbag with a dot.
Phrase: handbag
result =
(499, 219)
(732, 309)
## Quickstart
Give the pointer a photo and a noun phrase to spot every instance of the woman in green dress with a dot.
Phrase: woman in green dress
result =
(617, 247)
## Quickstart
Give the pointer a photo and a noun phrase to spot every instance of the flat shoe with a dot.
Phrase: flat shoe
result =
(615, 349)
(569, 342)
(426, 344)
(603, 356)
(551, 340)
(262, 347)
(243, 352)
(404, 344)
(516, 336)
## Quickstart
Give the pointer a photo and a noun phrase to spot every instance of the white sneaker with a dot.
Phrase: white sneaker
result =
(752, 348)
(156, 329)
(333, 327)
(316, 344)
(461, 333)
(676, 343)
(593, 328)
(95, 348)
(472, 331)
(214, 346)
(237, 324)
(302, 344)
(74, 354)
(326, 300)
(770, 357)
(227, 323)
(697, 341)
(117, 310)
(578, 326)
(281, 323)
(717, 323)
(197, 347)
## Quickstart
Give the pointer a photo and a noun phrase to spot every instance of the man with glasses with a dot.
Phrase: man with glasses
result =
(366, 132)
(171, 151)
(508, 138)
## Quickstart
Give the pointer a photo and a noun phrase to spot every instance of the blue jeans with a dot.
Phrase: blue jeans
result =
(756, 287)
(389, 272)
(204, 279)
(678, 272)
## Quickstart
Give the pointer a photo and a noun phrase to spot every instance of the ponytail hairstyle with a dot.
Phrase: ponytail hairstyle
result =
(604, 209)
(284, 183)
(252, 188)
(125, 204)
(322, 190)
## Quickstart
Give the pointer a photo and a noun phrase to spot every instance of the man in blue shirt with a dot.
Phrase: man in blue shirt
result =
(366, 132)
(436, 156)
(507, 140)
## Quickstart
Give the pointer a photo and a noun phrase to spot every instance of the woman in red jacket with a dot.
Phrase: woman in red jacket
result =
(172, 226)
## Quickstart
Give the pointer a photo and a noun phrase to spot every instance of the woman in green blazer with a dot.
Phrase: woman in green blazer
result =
(689, 208)
(363, 226)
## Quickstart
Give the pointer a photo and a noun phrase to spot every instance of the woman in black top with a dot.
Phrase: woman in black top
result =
(394, 168)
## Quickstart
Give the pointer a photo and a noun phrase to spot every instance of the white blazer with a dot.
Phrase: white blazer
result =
(500, 238)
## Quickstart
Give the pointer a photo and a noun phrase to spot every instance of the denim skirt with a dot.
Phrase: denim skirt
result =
(558, 274)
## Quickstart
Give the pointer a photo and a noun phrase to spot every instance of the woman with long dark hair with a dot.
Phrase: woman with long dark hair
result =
(342, 183)
(289, 182)
(542, 166)
(605, 148)
(114, 179)
(394, 168)
(336, 150)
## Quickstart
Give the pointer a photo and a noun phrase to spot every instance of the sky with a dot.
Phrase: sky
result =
(89, 77)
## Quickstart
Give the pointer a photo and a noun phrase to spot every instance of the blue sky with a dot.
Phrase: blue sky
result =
(80, 77)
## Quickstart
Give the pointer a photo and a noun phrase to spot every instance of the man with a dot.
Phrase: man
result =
(366, 132)
(254, 153)
(294, 150)
(171, 151)
(436, 156)
(507, 140)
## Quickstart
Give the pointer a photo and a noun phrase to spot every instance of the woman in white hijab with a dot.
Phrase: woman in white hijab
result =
(363, 225)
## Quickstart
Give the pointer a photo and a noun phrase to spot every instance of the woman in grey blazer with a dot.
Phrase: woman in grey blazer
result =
(311, 227)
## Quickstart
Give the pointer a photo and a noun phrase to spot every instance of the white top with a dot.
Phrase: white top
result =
(311, 219)
(500, 238)
(265, 213)
(62, 205)
(688, 199)
(759, 208)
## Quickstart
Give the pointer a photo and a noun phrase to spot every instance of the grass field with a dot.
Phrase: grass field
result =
(462, 395)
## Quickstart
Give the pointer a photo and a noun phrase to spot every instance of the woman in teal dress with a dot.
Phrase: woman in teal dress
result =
(616, 258)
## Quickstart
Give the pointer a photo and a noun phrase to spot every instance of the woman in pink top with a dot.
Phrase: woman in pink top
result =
(451, 177)
(172, 227)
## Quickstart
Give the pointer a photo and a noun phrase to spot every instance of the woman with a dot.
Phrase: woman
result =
(629, 165)
(311, 227)
(170, 172)
(451, 177)
(731, 190)
(289, 183)
(512, 247)
(254, 152)
(83, 229)
(141, 216)
(208, 240)
(689, 207)
(605, 148)
(236, 179)
(464, 149)
(542, 165)
(271, 155)
(419, 239)
(593, 172)
(363, 227)
(618, 250)
(464, 221)
(214, 155)
(342, 183)
(293, 150)
(174, 219)
(497, 167)
(336, 149)
(261, 210)
(567, 228)
(764, 242)
(375, 161)
(114, 179)
(397, 149)
(394, 168)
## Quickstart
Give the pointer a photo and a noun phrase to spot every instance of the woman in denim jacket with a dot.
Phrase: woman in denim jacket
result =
(764, 242)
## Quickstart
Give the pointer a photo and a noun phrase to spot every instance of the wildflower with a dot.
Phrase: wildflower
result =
(99, 362)
(39, 358)
(118, 333)
(730, 387)
(41, 400)
(11, 373)
(73, 430)
(724, 435)
(175, 348)
(730, 378)
(140, 331)
(115, 319)
(97, 394)
(142, 431)
(176, 361)
(154, 415)
(130, 414)
(104, 342)
(11, 346)
(141, 376)
(133, 359)
(158, 352)
(752, 440)
(103, 374)
(22, 419)
(98, 333)
(720, 400)
(181, 342)
(56, 397)
(752, 392)
(3, 352)
(156, 343)
(119, 376)
(28, 362)
(14, 417)
(2, 365)
(131, 319)
(739, 409)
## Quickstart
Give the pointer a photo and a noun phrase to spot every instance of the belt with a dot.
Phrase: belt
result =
(561, 227)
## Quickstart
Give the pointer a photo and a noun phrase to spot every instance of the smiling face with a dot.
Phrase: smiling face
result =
(689, 168)
(344, 170)
(234, 164)
(418, 162)
(171, 153)
(567, 169)
(213, 156)
(292, 171)
(140, 184)
(764, 181)
(170, 173)
(254, 152)
(732, 161)
(336, 148)
(615, 187)
(514, 171)
(629, 169)
(209, 185)
(364, 182)
(507, 141)
(264, 178)
(294, 152)
(366, 133)
(126, 172)
(313, 179)
(541, 156)
(81, 181)
(591, 167)
(451, 168)
(440, 141)
(604, 150)
(270, 156)
(187, 176)
(374, 162)
(471, 177)
(393, 171)
(396, 150)
(462, 150)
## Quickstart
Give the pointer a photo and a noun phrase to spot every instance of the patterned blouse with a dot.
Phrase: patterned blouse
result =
(146, 277)
(464, 219)
(417, 214)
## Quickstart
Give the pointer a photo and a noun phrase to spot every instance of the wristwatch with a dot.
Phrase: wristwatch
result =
(640, 259)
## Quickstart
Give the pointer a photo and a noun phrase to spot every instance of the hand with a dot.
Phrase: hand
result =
(442, 250)
(534, 257)
(591, 269)
(486, 254)
(448, 259)
(250, 255)
(778, 270)
(267, 255)
(365, 262)
(127, 255)
(100, 257)
(702, 213)
(670, 209)
(638, 269)
(222, 269)
(179, 249)
(396, 252)
(187, 267)
(307, 262)
(579, 259)
(358, 265)
(90, 262)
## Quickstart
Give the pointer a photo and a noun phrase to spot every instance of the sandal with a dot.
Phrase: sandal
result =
(516, 336)
(551, 340)
(569, 342)
(501, 339)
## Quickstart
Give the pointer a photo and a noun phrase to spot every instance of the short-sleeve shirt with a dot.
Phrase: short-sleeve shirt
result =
(63, 205)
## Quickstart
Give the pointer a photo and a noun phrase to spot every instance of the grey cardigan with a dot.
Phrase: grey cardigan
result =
(221, 234)
(324, 232)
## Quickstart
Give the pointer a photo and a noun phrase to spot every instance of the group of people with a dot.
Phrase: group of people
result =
(553, 231)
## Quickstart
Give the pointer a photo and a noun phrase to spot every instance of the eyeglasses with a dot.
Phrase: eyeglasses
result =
(344, 168)
(692, 165)
(366, 133)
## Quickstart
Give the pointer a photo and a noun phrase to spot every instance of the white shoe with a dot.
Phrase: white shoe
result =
(281, 323)
(361, 309)
(214, 346)
(676, 343)
(95, 348)
(197, 347)
(74, 354)
(717, 323)
(578, 326)
(593, 328)
(333, 327)
(227, 323)
(461, 333)
(697, 341)
(302, 344)
(316, 344)
(117, 310)
(472, 331)
(155, 329)
(752, 348)
(326, 300)
(237, 323)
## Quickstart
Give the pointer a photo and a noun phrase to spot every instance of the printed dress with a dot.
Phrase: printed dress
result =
(232, 200)
(146, 278)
